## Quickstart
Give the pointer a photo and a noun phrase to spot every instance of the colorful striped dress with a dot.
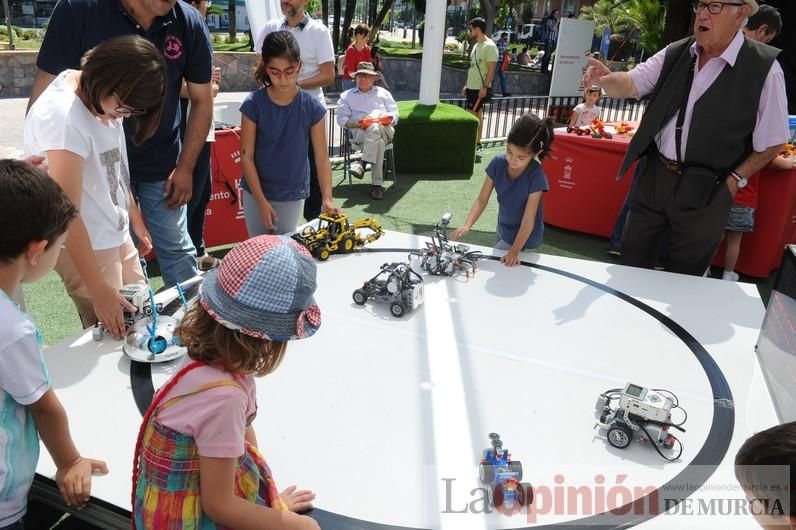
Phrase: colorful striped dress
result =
(166, 472)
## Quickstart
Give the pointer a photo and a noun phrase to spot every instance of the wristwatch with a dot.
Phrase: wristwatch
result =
(740, 179)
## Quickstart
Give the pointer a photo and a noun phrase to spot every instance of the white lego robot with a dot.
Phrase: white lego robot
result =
(150, 330)
(640, 413)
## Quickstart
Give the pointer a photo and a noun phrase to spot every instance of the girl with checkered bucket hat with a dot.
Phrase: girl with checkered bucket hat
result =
(196, 463)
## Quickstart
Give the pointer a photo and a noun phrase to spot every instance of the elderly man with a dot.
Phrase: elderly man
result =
(369, 113)
(717, 114)
(161, 169)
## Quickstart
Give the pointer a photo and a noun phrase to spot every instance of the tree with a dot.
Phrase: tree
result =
(350, 6)
(380, 16)
(325, 12)
(607, 14)
(647, 16)
(678, 23)
(489, 10)
(233, 30)
(644, 17)
(336, 28)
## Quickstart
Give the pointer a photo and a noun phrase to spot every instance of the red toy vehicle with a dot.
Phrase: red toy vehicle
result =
(580, 131)
(624, 127)
(598, 130)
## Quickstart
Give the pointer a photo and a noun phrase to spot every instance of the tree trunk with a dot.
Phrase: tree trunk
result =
(336, 28)
(678, 23)
(350, 6)
(233, 30)
(325, 12)
(380, 16)
(489, 9)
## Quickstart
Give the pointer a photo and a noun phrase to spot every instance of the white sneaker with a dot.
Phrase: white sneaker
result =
(707, 272)
(357, 170)
(730, 276)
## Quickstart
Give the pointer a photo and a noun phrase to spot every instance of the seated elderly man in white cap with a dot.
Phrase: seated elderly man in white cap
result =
(369, 113)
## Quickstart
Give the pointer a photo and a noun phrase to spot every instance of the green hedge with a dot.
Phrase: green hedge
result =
(435, 139)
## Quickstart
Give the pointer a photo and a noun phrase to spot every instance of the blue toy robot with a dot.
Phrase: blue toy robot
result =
(503, 475)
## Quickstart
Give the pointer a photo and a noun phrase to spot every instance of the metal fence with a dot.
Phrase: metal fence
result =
(501, 114)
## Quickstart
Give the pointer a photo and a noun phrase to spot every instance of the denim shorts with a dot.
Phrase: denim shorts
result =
(742, 219)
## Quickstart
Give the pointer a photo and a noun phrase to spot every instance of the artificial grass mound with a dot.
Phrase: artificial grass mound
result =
(438, 139)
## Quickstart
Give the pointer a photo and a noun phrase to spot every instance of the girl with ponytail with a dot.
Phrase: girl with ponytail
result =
(518, 181)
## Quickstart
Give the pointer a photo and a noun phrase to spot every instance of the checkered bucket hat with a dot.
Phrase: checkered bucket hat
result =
(264, 288)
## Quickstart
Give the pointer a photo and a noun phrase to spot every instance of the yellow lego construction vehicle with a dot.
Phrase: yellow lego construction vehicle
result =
(334, 234)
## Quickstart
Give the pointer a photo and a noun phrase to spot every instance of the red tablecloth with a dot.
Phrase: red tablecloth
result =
(585, 196)
(584, 193)
(224, 222)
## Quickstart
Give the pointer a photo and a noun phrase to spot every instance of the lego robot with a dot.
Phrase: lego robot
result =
(440, 257)
(503, 476)
(640, 413)
(150, 330)
(396, 284)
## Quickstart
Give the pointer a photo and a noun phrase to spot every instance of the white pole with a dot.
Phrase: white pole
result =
(260, 12)
(433, 43)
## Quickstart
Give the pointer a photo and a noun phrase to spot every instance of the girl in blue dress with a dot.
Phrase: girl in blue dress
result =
(277, 123)
(518, 181)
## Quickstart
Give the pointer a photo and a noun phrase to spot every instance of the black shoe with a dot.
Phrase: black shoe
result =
(506, 95)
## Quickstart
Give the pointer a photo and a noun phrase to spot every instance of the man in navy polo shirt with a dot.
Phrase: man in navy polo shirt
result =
(161, 168)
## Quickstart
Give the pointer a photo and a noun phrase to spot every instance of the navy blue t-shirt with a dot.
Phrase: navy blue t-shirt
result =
(280, 148)
(512, 196)
(76, 26)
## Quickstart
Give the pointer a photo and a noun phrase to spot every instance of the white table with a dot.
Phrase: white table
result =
(386, 419)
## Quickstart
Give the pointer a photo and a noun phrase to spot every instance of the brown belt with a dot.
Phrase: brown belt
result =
(671, 165)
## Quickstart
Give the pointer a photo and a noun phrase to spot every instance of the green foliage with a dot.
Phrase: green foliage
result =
(4, 32)
(214, 9)
(644, 17)
(648, 17)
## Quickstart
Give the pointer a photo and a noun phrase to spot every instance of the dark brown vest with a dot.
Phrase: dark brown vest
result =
(720, 133)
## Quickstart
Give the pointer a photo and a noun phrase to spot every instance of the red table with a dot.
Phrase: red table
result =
(224, 222)
(584, 193)
(585, 196)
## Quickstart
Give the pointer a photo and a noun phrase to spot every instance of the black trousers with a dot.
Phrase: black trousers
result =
(312, 204)
(693, 233)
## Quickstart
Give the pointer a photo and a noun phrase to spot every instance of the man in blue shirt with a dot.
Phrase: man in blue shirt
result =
(161, 168)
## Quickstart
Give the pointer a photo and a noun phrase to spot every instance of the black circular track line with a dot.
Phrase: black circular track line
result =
(694, 475)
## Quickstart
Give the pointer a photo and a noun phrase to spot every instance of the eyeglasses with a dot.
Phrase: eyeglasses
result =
(286, 73)
(124, 110)
(713, 7)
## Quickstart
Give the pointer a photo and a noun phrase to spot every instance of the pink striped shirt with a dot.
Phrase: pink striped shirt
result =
(772, 112)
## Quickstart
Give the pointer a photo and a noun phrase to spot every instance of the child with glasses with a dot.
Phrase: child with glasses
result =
(277, 123)
(77, 123)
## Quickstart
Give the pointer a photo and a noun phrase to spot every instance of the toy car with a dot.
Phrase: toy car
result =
(598, 130)
(579, 131)
(641, 413)
(440, 257)
(624, 127)
(334, 233)
(397, 284)
(503, 475)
